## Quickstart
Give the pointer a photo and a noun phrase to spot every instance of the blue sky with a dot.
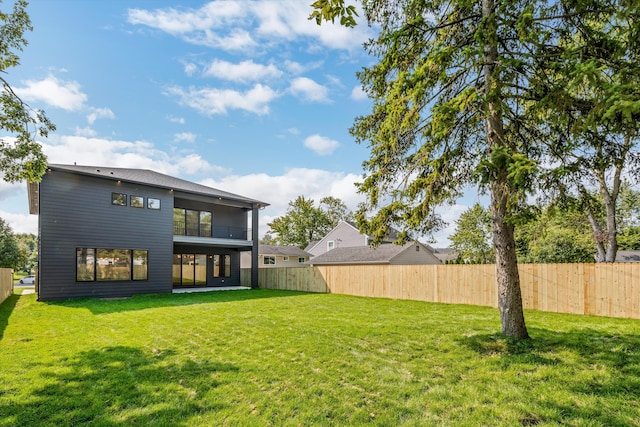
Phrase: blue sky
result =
(247, 96)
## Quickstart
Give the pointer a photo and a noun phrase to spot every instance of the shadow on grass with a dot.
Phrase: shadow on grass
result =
(614, 359)
(6, 308)
(143, 302)
(117, 386)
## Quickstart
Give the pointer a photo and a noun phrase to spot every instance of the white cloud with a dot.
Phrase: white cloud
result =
(242, 25)
(184, 137)
(309, 90)
(21, 223)
(321, 145)
(85, 131)
(211, 101)
(137, 154)
(54, 92)
(357, 94)
(242, 72)
(279, 190)
(190, 69)
(99, 113)
(179, 120)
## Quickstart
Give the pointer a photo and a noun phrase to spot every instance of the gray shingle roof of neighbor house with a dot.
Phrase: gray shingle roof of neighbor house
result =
(628, 256)
(282, 250)
(156, 179)
(383, 254)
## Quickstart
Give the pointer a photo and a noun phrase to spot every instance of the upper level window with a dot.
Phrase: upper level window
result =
(189, 222)
(205, 223)
(153, 203)
(119, 199)
(136, 201)
(192, 222)
(285, 258)
(269, 260)
(330, 245)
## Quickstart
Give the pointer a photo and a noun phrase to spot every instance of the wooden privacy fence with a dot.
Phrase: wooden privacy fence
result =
(6, 283)
(595, 289)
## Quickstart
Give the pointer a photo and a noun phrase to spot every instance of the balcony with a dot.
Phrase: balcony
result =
(217, 231)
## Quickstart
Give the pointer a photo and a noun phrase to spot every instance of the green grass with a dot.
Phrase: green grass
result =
(244, 358)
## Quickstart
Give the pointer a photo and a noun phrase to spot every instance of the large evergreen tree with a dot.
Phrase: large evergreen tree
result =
(452, 105)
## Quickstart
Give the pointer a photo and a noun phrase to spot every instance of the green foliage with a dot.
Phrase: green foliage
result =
(304, 222)
(28, 245)
(558, 234)
(587, 102)
(472, 239)
(21, 157)
(329, 10)
(10, 254)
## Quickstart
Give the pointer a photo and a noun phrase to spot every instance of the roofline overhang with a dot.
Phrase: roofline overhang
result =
(245, 202)
(33, 195)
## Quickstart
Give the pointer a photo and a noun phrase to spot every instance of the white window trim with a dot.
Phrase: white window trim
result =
(285, 258)
(331, 244)
(264, 260)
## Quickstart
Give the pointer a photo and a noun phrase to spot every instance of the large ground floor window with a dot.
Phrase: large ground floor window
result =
(101, 264)
(197, 269)
(189, 269)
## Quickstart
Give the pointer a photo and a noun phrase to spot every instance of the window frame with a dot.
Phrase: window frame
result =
(270, 258)
(139, 199)
(331, 244)
(119, 201)
(95, 251)
(302, 260)
(151, 203)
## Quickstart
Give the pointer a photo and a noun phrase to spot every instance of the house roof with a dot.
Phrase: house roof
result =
(383, 254)
(282, 250)
(445, 254)
(628, 256)
(155, 179)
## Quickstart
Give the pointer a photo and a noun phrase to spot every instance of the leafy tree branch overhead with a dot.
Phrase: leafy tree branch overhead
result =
(21, 156)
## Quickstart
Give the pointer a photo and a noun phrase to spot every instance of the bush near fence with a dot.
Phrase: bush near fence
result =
(6, 283)
(611, 290)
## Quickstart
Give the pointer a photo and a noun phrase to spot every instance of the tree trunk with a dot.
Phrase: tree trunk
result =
(508, 278)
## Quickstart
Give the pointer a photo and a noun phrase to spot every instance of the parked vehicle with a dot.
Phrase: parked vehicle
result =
(29, 280)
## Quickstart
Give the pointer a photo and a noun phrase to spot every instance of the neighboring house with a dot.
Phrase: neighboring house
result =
(410, 253)
(345, 235)
(446, 254)
(272, 256)
(628, 256)
(113, 232)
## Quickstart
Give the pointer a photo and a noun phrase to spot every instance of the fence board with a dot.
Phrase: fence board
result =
(6, 283)
(593, 289)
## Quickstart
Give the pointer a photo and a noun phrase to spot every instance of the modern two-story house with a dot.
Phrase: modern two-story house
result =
(114, 232)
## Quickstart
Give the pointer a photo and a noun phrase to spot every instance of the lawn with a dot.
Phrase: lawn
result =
(261, 357)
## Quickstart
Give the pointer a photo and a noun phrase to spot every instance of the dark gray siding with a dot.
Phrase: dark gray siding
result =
(76, 211)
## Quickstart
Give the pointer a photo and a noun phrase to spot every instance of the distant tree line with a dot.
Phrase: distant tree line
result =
(557, 232)
(17, 251)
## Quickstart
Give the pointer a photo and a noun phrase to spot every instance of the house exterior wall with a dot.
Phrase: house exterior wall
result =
(76, 212)
(280, 262)
(412, 257)
(344, 235)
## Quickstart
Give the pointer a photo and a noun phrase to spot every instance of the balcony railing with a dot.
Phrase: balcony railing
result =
(217, 231)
